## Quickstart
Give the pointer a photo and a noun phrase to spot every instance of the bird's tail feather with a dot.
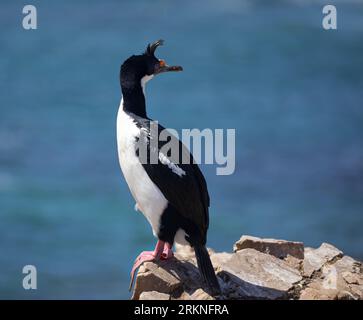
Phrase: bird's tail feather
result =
(206, 269)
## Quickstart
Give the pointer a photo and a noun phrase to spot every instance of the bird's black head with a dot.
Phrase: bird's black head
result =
(143, 67)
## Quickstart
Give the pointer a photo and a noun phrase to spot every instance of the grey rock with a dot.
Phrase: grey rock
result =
(311, 293)
(186, 252)
(294, 262)
(338, 280)
(200, 294)
(154, 295)
(220, 259)
(256, 275)
(323, 274)
(277, 248)
(316, 258)
(348, 264)
(152, 277)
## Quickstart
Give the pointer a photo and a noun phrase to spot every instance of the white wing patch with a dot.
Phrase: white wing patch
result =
(177, 170)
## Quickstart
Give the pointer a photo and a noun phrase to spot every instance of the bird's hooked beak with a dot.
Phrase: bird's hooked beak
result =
(163, 67)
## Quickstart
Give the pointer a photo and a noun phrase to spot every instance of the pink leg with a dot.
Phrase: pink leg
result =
(168, 252)
(147, 256)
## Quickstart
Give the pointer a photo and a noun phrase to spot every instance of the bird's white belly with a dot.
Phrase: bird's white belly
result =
(147, 195)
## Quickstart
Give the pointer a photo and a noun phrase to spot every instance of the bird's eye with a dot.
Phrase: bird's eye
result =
(161, 63)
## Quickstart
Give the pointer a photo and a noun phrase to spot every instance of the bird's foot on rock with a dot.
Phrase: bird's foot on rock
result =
(147, 256)
(143, 257)
(167, 252)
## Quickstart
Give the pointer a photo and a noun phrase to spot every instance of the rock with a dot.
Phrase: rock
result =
(352, 278)
(186, 252)
(317, 294)
(357, 291)
(294, 262)
(277, 248)
(151, 277)
(272, 270)
(200, 294)
(257, 275)
(323, 287)
(312, 294)
(154, 295)
(349, 265)
(338, 280)
(219, 259)
(316, 258)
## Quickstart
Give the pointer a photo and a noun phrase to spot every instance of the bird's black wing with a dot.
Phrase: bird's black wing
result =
(183, 185)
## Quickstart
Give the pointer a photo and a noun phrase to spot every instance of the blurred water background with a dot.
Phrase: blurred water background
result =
(292, 91)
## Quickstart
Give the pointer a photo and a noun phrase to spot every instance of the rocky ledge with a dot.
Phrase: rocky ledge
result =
(257, 269)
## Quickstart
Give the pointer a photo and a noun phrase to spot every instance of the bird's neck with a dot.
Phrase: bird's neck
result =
(134, 99)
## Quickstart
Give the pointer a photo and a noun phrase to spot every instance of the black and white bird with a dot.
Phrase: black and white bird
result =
(173, 196)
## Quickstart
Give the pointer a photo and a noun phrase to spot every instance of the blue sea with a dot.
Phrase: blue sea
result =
(292, 91)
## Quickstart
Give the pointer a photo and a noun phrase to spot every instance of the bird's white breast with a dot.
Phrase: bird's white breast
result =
(147, 195)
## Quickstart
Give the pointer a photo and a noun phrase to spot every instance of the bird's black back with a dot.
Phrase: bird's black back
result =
(188, 193)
